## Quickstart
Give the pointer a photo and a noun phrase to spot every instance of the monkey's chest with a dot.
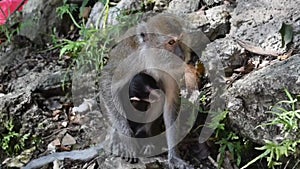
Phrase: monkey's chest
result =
(144, 130)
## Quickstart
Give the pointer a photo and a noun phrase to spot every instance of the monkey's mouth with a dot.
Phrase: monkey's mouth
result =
(154, 96)
(143, 104)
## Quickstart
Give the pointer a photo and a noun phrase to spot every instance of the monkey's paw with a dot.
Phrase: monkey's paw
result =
(126, 148)
(177, 163)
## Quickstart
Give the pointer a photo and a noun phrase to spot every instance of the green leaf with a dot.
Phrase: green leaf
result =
(256, 158)
(286, 32)
(288, 94)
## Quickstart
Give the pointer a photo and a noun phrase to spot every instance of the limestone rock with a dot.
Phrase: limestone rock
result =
(250, 98)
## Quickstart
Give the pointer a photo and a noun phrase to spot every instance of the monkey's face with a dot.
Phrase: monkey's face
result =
(142, 91)
(173, 45)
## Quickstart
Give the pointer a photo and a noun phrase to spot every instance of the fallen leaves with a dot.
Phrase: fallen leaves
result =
(256, 49)
(246, 68)
(259, 57)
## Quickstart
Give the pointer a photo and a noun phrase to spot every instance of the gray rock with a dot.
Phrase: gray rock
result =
(12, 57)
(259, 21)
(161, 5)
(20, 160)
(68, 140)
(96, 17)
(211, 2)
(214, 22)
(250, 98)
(227, 52)
(40, 18)
(180, 7)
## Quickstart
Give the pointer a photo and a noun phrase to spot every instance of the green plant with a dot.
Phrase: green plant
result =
(68, 9)
(12, 142)
(71, 47)
(287, 115)
(290, 119)
(217, 122)
(68, 46)
(227, 140)
(93, 47)
(274, 151)
(7, 32)
(232, 144)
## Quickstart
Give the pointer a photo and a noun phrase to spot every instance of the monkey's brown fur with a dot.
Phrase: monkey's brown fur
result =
(163, 32)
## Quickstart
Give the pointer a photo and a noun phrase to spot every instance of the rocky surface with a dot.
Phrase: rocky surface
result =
(181, 7)
(41, 16)
(214, 22)
(99, 11)
(36, 87)
(250, 97)
(259, 21)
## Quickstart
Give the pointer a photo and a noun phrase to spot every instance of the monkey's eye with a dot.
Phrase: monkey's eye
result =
(172, 42)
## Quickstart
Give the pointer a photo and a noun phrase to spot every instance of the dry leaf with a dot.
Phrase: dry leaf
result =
(56, 112)
(255, 49)
(246, 69)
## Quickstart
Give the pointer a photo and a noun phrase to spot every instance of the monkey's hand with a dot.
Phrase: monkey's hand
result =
(176, 162)
(124, 146)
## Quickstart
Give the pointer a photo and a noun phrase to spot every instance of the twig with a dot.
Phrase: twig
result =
(234, 80)
(214, 162)
(286, 165)
(84, 155)
(296, 164)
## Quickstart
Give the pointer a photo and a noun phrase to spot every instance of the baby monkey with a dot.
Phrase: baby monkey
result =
(140, 88)
(143, 91)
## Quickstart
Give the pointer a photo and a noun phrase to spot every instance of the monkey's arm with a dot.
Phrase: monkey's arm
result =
(170, 109)
(113, 110)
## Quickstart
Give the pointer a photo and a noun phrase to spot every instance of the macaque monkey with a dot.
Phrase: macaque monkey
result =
(142, 93)
(131, 82)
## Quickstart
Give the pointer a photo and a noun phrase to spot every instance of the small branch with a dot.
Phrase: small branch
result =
(296, 164)
(213, 162)
(84, 155)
